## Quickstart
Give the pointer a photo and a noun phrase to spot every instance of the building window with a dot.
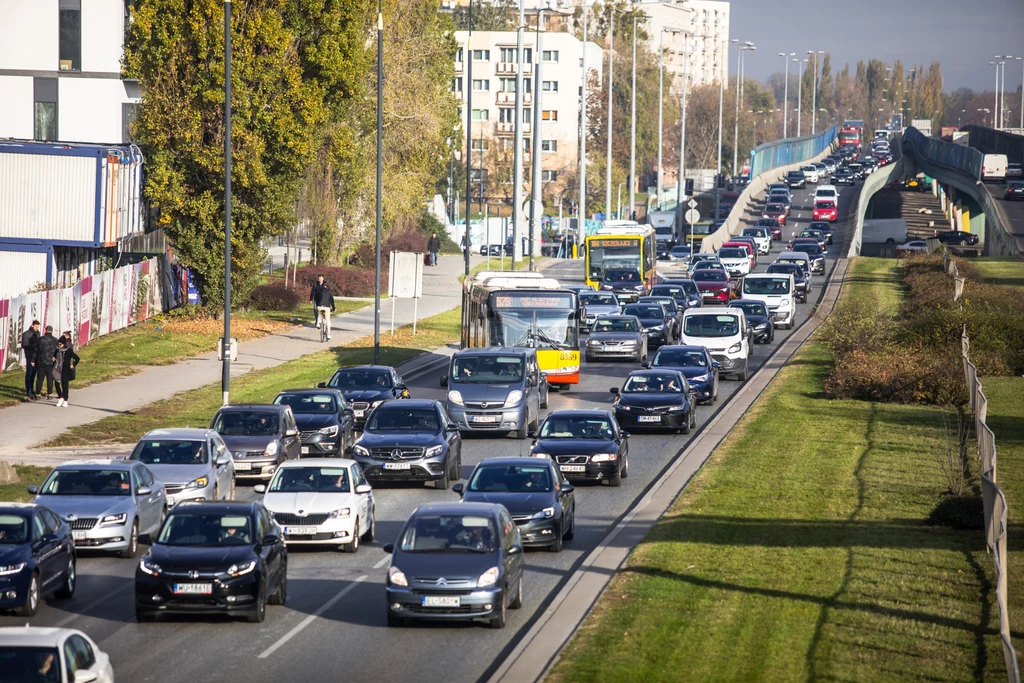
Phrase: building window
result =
(549, 86)
(45, 114)
(481, 55)
(456, 85)
(129, 112)
(506, 114)
(549, 115)
(549, 145)
(507, 84)
(481, 85)
(478, 145)
(549, 176)
(550, 56)
(70, 35)
(459, 55)
(480, 114)
(508, 54)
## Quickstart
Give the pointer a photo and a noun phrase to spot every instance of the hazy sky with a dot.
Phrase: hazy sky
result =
(961, 34)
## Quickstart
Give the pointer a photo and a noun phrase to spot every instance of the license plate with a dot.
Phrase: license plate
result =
(649, 418)
(397, 466)
(243, 466)
(441, 601)
(78, 535)
(358, 413)
(305, 449)
(300, 530)
(573, 468)
(193, 588)
(484, 418)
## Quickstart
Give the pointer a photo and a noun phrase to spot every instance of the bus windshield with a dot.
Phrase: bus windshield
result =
(539, 329)
(602, 258)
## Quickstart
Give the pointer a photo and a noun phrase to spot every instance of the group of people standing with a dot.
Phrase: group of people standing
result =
(50, 359)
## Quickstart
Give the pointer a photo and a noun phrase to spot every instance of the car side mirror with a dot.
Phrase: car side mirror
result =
(364, 488)
(444, 380)
(624, 435)
(458, 488)
(715, 364)
(567, 488)
(291, 432)
(389, 548)
(400, 387)
(271, 539)
(143, 491)
(531, 434)
(84, 676)
(646, 365)
(452, 428)
(259, 488)
(224, 460)
(614, 390)
(33, 490)
(146, 539)
(321, 385)
(515, 549)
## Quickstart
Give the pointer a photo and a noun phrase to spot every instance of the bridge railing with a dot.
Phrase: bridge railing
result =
(960, 158)
(779, 153)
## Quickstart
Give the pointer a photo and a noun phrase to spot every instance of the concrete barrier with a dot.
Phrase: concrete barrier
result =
(900, 169)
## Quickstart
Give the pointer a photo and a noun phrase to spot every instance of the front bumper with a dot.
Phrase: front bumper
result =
(703, 391)
(666, 420)
(317, 444)
(156, 594)
(474, 603)
(539, 533)
(592, 471)
(424, 469)
(332, 532)
(14, 589)
(488, 419)
(179, 494)
(614, 351)
(104, 537)
(783, 316)
(763, 335)
(256, 468)
(727, 364)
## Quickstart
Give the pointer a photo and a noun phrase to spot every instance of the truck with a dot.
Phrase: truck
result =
(851, 134)
(884, 231)
(993, 167)
(664, 224)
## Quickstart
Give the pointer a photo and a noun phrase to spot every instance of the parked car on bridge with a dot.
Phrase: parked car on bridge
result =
(958, 238)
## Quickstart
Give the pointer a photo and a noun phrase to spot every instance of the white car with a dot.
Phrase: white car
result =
(912, 247)
(322, 501)
(735, 260)
(762, 237)
(777, 291)
(726, 334)
(827, 192)
(52, 654)
(811, 173)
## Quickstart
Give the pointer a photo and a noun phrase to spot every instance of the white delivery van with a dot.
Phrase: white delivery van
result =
(726, 334)
(884, 231)
(993, 167)
(777, 291)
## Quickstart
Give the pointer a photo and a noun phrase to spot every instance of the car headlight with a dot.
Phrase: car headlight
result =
(456, 398)
(342, 513)
(271, 448)
(397, 577)
(150, 567)
(546, 513)
(655, 328)
(607, 288)
(329, 431)
(540, 455)
(360, 450)
(676, 409)
(639, 287)
(593, 342)
(488, 578)
(115, 519)
(785, 303)
(735, 348)
(700, 378)
(375, 404)
(514, 397)
(199, 483)
(622, 407)
(12, 568)
(241, 569)
(762, 326)
(604, 457)
(433, 451)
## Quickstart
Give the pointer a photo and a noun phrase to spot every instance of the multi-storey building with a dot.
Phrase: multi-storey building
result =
(695, 38)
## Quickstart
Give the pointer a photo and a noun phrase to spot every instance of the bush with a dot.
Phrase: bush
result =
(856, 324)
(343, 280)
(275, 297)
(899, 373)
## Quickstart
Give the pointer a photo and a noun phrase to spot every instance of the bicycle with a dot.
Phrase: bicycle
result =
(321, 323)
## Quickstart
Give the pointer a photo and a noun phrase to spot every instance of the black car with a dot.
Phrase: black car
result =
(672, 308)
(957, 237)
(411, 440)
(843, 176)
(661, 250)
(260, 437)
(324, 419)
(585, 445)
(626, 283)
(367, 386)
(796, 179)
(539, 498)
(37, 557)
(455, 562)
(761, 320)
(801, 278)
(695, 364)
(693, 296)
(825, 227)
(213, 557)
(1014, 190)
(656, 321)
(658, 399)
(674, 291)
(814, 253)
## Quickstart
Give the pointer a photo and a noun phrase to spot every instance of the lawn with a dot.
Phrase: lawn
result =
(1001, 270)
(801, 552)
(878, 277)
(196, 408)
(29, 476)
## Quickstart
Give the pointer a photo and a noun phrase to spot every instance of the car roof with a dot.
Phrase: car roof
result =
(495, 351)
(617, 316)
(97, 464)
(762, 276)
(647, 372)
(510, 460)
(216, 506)
(460, 509)
(570, 412)
(712, 309)
(318, 462)
(34, 636)
(179, 433)
(684, 347)
(311, 391)
(368, 367)
(237, 407)
(411, 403)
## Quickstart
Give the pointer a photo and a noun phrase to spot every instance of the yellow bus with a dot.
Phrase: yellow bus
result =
(524, 309)
(621, 244)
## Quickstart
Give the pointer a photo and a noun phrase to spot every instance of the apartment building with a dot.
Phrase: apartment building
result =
(695, 36)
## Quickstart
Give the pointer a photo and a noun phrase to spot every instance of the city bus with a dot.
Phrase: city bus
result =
(621, 244)
(524, 309)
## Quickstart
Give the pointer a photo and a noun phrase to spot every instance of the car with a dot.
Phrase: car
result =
(322, 501)
(192, 464)
(792, 246)
(747, 242)
(762, 237)
(658, 324)
(259, 436)
(911, 247)
(814, 253)
(680, 252)
(958, 238)
(108, 503)
(830, 192)
(777, 291)
(858, 170)
(762, 322)
(495, 389)
(736, 260)
(725, 332)
(37, 558)
(626, 283)
(661, 250)
(213, 558)
(699, 257)
(824, 226)
(455, 562)
(494, 249)
(714, 285)
(801, 278)
(616, 336)
(410, 441)
(1014, 190)
(585, 445)
(658, 398)
(696, 365)
(816, 235)
(1014, 170)
(672, 291)
(772, 225)
(708, 265)
(596, 304)
(776, 211)
(775, 187)
(671, 305)
(61, 655)
(693, 297)
(822, 170)
(780, 198)
(796, 179)
(810, 173)
(324, 418)
(844, 176)
(824, 210)
(365, 387)
(541, 501)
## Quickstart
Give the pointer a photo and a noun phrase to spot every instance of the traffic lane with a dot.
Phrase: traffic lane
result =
(1013, 210)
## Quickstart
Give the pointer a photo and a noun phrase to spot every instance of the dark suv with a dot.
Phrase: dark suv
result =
(260, 437)
(367, 386)
(324, 419)
(626, 283)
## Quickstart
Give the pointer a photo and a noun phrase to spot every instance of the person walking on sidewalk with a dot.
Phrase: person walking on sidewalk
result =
(65, 371)
(323, 301)
(46, 349)
(434, 247)
(29, 342)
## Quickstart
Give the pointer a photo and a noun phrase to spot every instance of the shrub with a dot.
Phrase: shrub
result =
(855, 324)
(343, 280)
(274, 297)
(899, 373)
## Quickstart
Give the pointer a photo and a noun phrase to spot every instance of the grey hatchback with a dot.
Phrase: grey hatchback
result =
(260, 437)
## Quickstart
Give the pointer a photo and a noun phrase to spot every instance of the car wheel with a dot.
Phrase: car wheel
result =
(570, 533)
(686, 428)
(517, 599)
(742, 376)
(67, 589)
(588, 358)
(521, 433)
(616, 479)
(279, 596)
(499, 621)
(693, 419)
(371, 532)
(133, 542)
(231, 494)
(257, 615)
(31, 605)
(544, 403)
(714, 393)
(353, 545)
(444, 482)
(216, 492)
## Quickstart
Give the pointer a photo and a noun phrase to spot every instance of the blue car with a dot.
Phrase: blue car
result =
(696, 364)
(37, 557)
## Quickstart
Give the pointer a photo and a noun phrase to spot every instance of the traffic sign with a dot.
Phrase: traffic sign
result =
(692, 216)
(692, 204)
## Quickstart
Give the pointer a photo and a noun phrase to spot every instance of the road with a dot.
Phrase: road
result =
(334, 623)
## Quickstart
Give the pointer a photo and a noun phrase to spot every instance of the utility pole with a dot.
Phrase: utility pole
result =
(225, 377)
(681, 194)
(814, 90)
(718, 166)
(632, 133)
(739, 98)
(785, 98)
(661, 98)
(581, 220)
(469, 140)
(611, 89)
(800, 92)
(517, 154)
(380, 180)
(536, 184)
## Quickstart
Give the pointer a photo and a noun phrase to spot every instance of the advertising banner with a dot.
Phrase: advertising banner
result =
(84, 288)
(4, 333)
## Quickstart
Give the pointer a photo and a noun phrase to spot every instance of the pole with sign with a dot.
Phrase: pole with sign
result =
(405, 281)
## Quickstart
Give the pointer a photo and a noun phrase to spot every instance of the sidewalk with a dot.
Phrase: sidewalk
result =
(29, 424)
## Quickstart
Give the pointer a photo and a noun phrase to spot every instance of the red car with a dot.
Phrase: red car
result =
(825, 210)
(776, 211)
(714, 286)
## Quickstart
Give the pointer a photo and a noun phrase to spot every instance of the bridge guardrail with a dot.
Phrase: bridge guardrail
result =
(960, 158)
(872, 184)
(772, 155)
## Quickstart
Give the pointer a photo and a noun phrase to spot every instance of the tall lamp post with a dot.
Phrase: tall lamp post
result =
(517, 153)
(225, 377)
(469, 140)
(581, 221)
(380, 181)
(632, 132)
(785, 97)
(739, 96)
(814, 89)
(1021, 59)
(611, 89)
(536, 183)
(661, 98)
(799, 91)
(681, 193)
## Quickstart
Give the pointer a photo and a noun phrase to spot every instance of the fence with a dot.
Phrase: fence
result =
(780, 153)
(959, 158)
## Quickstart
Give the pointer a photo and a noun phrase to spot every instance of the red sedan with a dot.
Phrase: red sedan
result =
(776, 211)
(825, 210)
(714, 286)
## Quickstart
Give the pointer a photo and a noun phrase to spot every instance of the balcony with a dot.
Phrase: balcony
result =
(509, 68)
(458, 67)
(509, 98)
(504, 129)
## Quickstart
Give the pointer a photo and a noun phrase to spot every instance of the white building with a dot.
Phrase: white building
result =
(60, 71)
(703, 24)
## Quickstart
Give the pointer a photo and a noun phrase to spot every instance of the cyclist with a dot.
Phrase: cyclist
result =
(323, 302)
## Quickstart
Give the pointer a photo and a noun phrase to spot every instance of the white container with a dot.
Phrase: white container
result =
(20, 271)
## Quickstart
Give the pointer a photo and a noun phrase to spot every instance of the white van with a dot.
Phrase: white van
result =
(829, 192)
(884, 231)
(777, 291)
(726, 334)
(993, 167)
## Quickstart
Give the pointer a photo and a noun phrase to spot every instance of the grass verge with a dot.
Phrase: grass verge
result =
(878, 277)
(1001, 270)
(29, 475)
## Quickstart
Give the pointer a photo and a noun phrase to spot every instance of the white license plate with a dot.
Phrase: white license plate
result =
(358, 413)
(397, 466)
(441, 601)
(649, 418)
(300, 530)
(573, 468)
(193, 588)
(78, 535)
(243, 466)
(305, 450)
(484, 418)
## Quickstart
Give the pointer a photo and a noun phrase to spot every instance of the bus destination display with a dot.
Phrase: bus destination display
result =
(532, 301)
(615, 243)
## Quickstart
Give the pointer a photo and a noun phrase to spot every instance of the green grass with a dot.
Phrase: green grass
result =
(878, 277)
(29, 475)
(196, 408)
(1001, 270)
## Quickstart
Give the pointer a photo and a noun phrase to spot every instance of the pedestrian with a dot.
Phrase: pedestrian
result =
(434, 247)
(323, 302)
(46, 350)
(65, 371)
(29, 342)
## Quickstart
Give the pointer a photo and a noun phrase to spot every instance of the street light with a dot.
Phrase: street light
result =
(814, 91)
(537, 184)
(581, 220)
(611, 87)
(800, 92)
(632, 132)
(785, 98)
(995, 107)
(225, 377)
(739, 96)
(469, 154)
(517, 140)
(984, 117)
(1021, 59)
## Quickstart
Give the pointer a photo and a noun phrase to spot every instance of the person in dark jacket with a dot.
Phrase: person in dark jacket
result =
(29, 342)
(46, 350)
(323, 301)
(68, 361)
(434, 247)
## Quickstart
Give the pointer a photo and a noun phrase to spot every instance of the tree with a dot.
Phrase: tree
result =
(826, 99)
(495, 15)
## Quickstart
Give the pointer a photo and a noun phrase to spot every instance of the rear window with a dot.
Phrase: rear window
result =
(774, 208)
(731, 252)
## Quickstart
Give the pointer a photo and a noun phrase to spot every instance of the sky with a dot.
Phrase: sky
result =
(963, 35)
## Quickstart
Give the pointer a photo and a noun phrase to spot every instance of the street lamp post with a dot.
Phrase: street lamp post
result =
(632, 132)
(517, 153)
(785, 97)
(611, 88)
(995, 105)
(800, 92)
(225, 377)
(581, 221)
(814, 89)
(469, 145)
(739, 98)
(380, 180)
(536, 184)
(681, 193)
(718, 157)
(661, 97)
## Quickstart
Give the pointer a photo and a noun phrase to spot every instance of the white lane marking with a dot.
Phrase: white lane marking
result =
(382, 563)
(88, 608)
(309, 620)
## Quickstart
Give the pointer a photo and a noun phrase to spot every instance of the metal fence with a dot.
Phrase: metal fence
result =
(790, 151)
(958, 158)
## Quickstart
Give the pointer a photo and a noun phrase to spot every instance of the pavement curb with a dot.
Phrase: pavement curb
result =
(538, 650)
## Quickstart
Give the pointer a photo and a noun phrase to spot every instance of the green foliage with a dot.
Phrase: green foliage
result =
(495, 15)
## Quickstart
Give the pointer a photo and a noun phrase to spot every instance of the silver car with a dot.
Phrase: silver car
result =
(193, 464)
(617, 336)
(596, 304)
(108, 503)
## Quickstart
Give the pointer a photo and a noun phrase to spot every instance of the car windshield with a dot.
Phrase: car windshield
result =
(616, 325)
(680, 251)
(13, 529)
(791, 268)
(502, 369)
(429, 533)
(750, 307)
(795, 174)
(753, 232)
(245, 423)
(680, 358)
(577, 427)
(766, 285)
(811, 248)
(689, 287)
(393, 417)
(732, 252)
(710, 276)
(87, 482)
(511, 479)
(708, 265)
(711, 325)
(361, 379)
(673, 291)
(774, 208)
(818, 225)
(312, 479)
(196, 528)
(644, 311)
(811, 233)
(163, 452)
(768, 222)
(20, 663)
(598, 299)
(665, 301)
(620, 275)
(308, 403)
(662, 383)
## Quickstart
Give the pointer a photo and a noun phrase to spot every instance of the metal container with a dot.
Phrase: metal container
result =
(22, 270)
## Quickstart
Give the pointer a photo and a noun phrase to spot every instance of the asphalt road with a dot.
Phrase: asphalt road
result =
(333, 626)
(1012, 210)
